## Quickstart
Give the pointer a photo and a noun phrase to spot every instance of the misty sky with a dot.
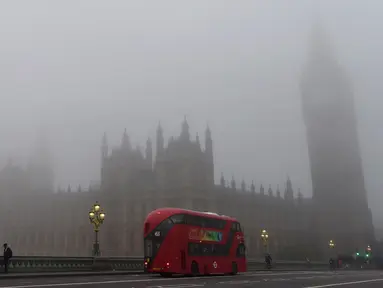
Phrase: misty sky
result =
(78, 68)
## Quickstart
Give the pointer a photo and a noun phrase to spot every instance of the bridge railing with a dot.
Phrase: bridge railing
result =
(35, 264)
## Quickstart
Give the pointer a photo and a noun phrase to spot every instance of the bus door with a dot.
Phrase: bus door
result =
(148, 252)
(183, 260)
(151, 246)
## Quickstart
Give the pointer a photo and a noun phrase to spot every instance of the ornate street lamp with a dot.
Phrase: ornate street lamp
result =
(331, 244)
(368, 251)
(265, 238)
(96, 217)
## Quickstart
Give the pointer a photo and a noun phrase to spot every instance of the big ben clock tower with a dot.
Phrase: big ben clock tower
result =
(339, 195)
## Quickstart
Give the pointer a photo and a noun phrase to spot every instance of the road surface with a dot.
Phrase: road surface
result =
(301, 279)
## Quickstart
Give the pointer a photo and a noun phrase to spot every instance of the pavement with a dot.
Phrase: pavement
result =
(272, 279)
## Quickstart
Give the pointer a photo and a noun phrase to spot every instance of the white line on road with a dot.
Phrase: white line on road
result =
(346, 283)
(178, 286)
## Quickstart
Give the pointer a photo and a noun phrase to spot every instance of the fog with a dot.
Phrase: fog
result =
(73, 70)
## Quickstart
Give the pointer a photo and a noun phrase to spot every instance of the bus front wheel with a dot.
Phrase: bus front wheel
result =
(194, 268)
(166, 275)
(234, 268)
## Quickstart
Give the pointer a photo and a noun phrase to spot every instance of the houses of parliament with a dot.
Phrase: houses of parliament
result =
(36, 220)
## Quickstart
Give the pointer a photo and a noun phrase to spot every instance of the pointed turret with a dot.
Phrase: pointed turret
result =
(262, 190)
(289, 192)
(300, 196)
(149, 153)
(185, 135)
(222, 181)
(270, 191)
(125, 142)
(159, 141)
(208, 142)
(243, 185)
(278, 192)
(233, 184)
(209, 155)
(252, 187)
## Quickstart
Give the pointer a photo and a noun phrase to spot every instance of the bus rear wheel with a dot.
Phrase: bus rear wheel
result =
(234, 268)
(194, 268)
(166, 275)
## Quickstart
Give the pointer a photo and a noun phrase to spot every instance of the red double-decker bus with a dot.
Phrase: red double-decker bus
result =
(179, 241)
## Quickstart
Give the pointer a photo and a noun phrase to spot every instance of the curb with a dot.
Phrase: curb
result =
(66, 274)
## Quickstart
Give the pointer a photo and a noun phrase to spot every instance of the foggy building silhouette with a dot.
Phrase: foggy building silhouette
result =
(181, 174)
(339, 195)
(37, 221)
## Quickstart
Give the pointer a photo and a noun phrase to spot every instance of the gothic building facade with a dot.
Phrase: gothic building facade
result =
(132, 184)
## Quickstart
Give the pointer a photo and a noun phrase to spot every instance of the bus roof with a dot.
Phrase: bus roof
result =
(167, 212)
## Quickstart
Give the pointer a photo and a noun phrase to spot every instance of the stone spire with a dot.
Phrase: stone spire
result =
(270, 191)
(233, 184)
(262, 190)
(125, 142)
(243, 185)
(185, 135)
(222, 180)
(252, 187)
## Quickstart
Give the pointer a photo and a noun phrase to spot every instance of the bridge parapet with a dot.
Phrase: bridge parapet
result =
(37, 264)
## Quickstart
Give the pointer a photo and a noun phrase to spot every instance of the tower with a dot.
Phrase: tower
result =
(149, 153)
(125, 142)
(289, 192)
(209, 156)
(159, 141)
(185, 135)
(340, 200)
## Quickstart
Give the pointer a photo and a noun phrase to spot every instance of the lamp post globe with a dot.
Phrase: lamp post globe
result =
(96, 217)
(265, 238)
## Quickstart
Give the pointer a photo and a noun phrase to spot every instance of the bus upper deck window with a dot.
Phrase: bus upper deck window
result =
(178, 219)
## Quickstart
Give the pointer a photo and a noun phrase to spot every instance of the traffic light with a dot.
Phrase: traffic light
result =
(357, 253)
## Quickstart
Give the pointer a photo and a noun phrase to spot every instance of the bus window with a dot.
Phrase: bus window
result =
(162, 229)
(194, 249)
(165, 225)
(194, 220)
(241, 250)
(203, 222)
(214, 223)
(235, 226)
(178, 219)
